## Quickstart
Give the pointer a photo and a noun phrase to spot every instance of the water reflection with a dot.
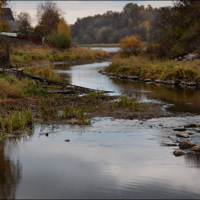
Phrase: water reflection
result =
(183, 99)
(10, 168)
(108, 49)
(110, 159)
(192, 161)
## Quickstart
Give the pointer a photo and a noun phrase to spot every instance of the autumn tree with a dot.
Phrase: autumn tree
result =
(48, 15)
(131, 45)
(63, 26)
(26, 23)
(3, 3)
(181, 27)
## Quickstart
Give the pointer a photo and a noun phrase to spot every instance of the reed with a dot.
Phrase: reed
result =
(126, 102)
(81, 113)
(15, 121)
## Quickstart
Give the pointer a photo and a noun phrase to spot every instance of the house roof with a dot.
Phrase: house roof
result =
(7, 14)
(14, 25)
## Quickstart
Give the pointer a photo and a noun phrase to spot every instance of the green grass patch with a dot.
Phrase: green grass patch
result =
(16, 121)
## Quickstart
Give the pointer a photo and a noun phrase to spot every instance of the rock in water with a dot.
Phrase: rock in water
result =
(186, 144)
(191, 125)
(67, 140)
(178, 153)
(184, 135)
(180, 129)
(195, 148)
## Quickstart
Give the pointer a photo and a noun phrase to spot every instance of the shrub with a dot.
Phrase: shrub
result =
(131, 45)
(60, 40)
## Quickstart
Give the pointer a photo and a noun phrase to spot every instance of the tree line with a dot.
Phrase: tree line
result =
(112, 26)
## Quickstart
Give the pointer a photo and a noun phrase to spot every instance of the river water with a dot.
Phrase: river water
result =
(108, 159)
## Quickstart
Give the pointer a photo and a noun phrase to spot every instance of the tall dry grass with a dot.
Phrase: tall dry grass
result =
(157, 69)
(29, 54)
(44, 71)
(8, 90)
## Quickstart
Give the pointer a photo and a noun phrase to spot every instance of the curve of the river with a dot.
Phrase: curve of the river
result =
(180, 99)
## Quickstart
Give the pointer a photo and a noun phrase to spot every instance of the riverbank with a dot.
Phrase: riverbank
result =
(62, 103)
(30, 54)
(162, 72)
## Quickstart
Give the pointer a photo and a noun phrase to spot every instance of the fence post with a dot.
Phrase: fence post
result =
(16, 70)
(8, 54)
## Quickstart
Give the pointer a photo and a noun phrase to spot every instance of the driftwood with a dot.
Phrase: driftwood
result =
(57, 82)
(61, 92)
(71, 89)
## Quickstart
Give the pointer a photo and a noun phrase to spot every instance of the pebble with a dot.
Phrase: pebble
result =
(180, 129)
(184, 135)
(186, 144)
(195, 148)
(178, 153)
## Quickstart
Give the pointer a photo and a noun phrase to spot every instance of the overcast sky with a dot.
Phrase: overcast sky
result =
(75, 9)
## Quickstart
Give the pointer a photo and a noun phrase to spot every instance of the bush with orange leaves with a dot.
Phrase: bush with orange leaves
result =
(131, 45)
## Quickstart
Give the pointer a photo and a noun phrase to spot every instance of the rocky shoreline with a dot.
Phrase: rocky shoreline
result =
(187, 146)
(178, 82)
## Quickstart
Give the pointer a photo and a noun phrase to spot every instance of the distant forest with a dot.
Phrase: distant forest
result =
(113, 26)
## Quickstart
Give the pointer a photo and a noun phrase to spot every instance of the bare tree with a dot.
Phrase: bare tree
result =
(26, 23)
(48, 15)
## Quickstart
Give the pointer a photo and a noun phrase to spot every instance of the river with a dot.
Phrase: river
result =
(110, 158)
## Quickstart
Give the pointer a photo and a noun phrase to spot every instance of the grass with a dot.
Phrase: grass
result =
(13, 88)
(46, 72)
(47, 111)
(15, 121)
(157, 69)
(81, 113)
(28, 54)
(8, 90)
(126, 102)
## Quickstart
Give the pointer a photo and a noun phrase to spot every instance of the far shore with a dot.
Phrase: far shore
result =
(98, 45)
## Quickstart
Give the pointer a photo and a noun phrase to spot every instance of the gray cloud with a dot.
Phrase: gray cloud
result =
(75, 9)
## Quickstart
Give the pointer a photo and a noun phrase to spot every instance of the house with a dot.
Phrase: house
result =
(14, 25)
(33, 39)
(8, 16)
